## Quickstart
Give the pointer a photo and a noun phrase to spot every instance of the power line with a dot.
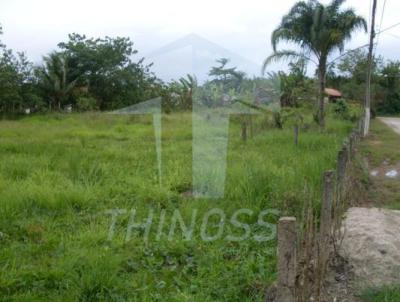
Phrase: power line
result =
(366, 45)
(393, 35)
(347, 52)
(380, 25)
(383, 13)
(388, 28)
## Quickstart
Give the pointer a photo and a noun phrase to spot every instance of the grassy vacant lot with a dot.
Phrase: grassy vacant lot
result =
(60, 173)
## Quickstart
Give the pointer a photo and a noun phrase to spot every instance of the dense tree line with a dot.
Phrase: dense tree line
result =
(100, 74)
(18, 83)
(349, 76)
(86, 73)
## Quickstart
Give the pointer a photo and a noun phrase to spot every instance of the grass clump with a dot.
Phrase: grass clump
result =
(386, 294)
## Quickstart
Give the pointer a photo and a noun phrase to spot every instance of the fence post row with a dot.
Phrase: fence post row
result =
(287, 232)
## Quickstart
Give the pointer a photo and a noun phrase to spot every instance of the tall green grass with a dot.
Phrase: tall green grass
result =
(385, 294)
(60, 173)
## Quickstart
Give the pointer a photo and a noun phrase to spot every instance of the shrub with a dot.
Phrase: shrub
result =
(341, 109)
(86, 103)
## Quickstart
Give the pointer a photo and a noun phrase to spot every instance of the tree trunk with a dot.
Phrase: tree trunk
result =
(321, 92)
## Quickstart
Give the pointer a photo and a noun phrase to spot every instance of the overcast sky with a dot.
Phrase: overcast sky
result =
(242, 27)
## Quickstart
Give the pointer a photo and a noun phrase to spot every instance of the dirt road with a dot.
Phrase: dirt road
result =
(392, 122)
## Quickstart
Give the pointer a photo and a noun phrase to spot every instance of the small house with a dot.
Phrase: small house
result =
(332, 94)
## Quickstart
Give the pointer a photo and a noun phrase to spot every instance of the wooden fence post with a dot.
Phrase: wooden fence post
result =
(325, 231)
(326, 207)
(287, 254)
(351, 146)
(361, 126)
(341, 178)
(357, 135)
(346, 146)
(341, 164)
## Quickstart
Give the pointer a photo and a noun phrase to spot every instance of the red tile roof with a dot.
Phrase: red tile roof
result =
(333, 92)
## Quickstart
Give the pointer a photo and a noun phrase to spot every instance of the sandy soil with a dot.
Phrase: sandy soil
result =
(372, 236)
(372, 245)
(369, 255)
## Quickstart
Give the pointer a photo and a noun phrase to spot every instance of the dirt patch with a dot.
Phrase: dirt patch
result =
(369, 256)
(372, 245)
(375, 142)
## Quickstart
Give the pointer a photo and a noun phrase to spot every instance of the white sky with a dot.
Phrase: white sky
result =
(243, 27)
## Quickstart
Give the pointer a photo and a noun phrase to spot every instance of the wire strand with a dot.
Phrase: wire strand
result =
(388, 28)
(380, 25)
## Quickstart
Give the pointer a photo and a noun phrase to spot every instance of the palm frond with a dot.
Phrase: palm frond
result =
(283, 55)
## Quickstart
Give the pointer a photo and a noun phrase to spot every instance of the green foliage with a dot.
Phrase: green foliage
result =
(178, 95)
(349, 76)
(17, 82)
(319, 30)
(351, 79)
(106, 67)
(390, 82)
(386, 294)
(86, 103)
(229, 78)
(341, 109)
(279, 119)
(55, 81)
(294, 86)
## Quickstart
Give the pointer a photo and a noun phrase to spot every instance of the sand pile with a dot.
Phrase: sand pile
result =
(372, 245)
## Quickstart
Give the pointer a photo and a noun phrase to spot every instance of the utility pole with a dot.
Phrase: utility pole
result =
(369, 72)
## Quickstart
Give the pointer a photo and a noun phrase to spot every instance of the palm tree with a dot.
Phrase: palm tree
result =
(54, 81)
(229, 77)
(319, 30)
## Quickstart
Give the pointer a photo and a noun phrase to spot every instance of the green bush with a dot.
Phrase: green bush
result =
(86, 103)
(341, 109)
